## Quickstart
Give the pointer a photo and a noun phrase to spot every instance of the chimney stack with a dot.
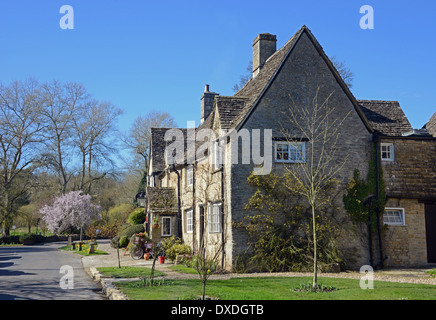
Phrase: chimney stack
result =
(207, 100)
(264, 47)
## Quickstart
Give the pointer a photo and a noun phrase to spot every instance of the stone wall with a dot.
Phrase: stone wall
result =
(406, 246)
(412, 174)
(304, 76)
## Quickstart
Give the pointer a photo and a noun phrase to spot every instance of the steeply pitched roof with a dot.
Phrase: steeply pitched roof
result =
(157, 149)
(158, 145)
(256, 87)
(229, 108)
(431, 125)
(385, 117)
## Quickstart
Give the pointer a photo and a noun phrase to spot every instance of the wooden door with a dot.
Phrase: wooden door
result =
(430, 227)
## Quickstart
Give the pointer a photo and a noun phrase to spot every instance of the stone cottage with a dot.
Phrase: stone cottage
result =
(204, 198)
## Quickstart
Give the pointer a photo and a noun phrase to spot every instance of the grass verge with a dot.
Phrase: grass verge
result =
(278, 288)
(128, 272)
(85, 250)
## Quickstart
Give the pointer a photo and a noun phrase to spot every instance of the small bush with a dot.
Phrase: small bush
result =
(30, 238)
(137, 216)
(123, 242)
(127, 232)
(10, 240)
(308, 287)
(177, 249)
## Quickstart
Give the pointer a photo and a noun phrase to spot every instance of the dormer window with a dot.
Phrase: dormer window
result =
(387, 151)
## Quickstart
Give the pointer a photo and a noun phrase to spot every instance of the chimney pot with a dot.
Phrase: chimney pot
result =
(207, 100)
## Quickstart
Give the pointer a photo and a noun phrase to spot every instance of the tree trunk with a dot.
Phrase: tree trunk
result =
(315, 254)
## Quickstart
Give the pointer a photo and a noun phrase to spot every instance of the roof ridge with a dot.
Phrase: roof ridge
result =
(366, 100)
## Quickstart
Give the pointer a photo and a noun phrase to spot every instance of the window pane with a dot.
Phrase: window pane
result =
(285, 155)
(189, 221)
(393, 217)
(166, 226)
(216, 227)
(387, 151)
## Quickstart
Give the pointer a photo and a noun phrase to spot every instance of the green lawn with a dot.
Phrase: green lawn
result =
(183, 269)
(128, 272)
(85, 250)
(277, 288)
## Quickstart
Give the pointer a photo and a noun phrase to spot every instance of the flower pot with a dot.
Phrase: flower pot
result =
(156, 226)
(146, 256)
(161, 260)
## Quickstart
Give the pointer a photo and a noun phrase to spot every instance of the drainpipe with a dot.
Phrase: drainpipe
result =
(223, 251)
(179, 218)
(377, 168)
(368, 202)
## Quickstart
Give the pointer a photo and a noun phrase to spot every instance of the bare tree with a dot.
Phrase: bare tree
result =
(244, 78)
(343, 71)
(20, 135)
(60, 102)
(207, 191)
(95, 128)
(317, 165)
(139, 136)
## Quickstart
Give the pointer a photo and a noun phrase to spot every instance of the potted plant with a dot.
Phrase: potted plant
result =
(161, 259)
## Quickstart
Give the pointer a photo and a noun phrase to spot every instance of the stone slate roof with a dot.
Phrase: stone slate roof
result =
(162, 200)
(385, 117)
(158, 146)
(229, 109)
(382, 117)
(255, 88)
(431, 125)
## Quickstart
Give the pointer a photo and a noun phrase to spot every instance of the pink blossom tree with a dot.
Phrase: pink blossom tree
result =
(70, 210)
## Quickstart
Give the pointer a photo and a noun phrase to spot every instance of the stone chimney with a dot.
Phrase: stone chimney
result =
(264, 46)
(207, 100)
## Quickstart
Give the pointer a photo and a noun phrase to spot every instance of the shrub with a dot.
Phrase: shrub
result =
(10, 240)
(118, 214)
(127, 232)
(123, 242)
(137, 216)
(177, 249)
(30, 238)
(173, 247)
(131, 230)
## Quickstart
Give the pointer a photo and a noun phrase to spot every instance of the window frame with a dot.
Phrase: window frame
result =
(214, 217)
(190, 176)
(402, 217)
(290, 145)
(190, 221)
(218, 155)
(162, 229)
(391, 151)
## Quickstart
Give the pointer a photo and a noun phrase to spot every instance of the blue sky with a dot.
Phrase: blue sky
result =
(145, 55)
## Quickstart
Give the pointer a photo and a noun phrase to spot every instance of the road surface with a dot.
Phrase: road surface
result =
(41, 272)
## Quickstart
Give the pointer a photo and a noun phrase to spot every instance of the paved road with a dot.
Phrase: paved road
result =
(34, 273)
